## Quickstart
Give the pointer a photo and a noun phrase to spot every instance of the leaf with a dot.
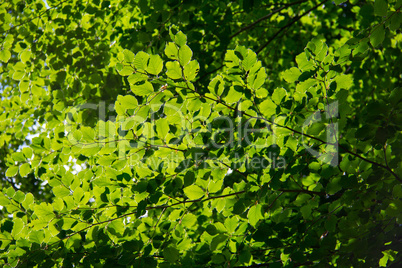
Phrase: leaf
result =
(126, 70)
(171, 254)
(44, 211)
(12, 171)
(173, 70)
(278, 95)
(162, 127)
(249, 61)
(254, 215)
(171, 51)
(216, 86)
(180, 39)
(231, 224)
(191, 70)
(18, 75)
(377, 36)
(18, 225)
(5, 55)
(380, 7)
(28, 152)
(291, 75)
(61, 191)
(25, 169)
(267, 108)
(137, 77)
(129, 102)
(344, 81)
(142, 89)
(128, 56)
(303, 63)
(141, 60)
(37, 236)
(18, 156)
(306, 211)
(233, 96)
(29, 200)
(189, 220)
(25, 56)
(231, 60)
(193, 192)
(260, 79)
(155, 65)
(218, 242)
(185, 55)
(396, 20)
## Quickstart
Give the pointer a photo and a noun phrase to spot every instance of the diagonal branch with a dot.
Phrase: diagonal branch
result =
(265, 17)
(296, 19)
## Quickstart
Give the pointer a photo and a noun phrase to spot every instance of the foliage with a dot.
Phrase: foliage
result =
(198, 134)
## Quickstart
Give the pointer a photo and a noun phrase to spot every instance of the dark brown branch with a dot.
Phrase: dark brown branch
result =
(31, 19)
(264, 18)
(296, 19)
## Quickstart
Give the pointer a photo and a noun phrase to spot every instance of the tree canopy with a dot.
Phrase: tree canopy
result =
(200, 133)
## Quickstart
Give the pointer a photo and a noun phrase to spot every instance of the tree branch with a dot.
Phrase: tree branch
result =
(297, 18)
(265, 17)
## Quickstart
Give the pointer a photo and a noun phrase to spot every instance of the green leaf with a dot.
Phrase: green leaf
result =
(18, 75)
(141, 61)
(344, 81)
(128, 56)
(25, 169)
(28, 152)
(171, 51)
(396, 21)
(254, 214)
(18, 225)
(377, 36)
(191, 70)
(380, 7)
(259, 79)
(29, 200)
(306, 211)
(129, 102)
(162, 127)
(233, 95)
(142, 89)
(189, 220)
(126, 70)
(278, 95)
(173, 70)
(303, 63)
(249, 61)
(231, 60)
(185, 55)
(218, 242)
(171, 254)
(193, 192)
(61, 191)
(78, 194)
(25, 56)
(12, 171)
(18, 156)
(5, 55)
(291, 75)
(44, 211)
(37, 236)
(180, 39)
(155, 65)
(231, 224)
(268, 108)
